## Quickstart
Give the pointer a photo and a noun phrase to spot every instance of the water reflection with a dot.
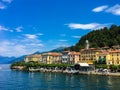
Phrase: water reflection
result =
(19, 80)
(82, 82)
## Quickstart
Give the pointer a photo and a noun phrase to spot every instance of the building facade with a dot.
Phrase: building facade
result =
(35, 58)
(65, 57)
(88, 56)
(114, 57)
(103, 57)
(52, 58)
(73, 57)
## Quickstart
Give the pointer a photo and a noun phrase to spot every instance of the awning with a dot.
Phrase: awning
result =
(83, 64)
(89, 62)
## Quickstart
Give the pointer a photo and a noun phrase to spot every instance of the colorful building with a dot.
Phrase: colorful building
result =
(73, 57)
(88, 55)
(35, 58)
(114, 57)
(51, 58)
(103, 57)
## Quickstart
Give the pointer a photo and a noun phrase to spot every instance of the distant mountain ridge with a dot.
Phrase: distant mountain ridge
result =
(6, 60)
(60, 49)
(21, 58)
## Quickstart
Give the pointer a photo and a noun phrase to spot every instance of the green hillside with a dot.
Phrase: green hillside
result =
(100, 38)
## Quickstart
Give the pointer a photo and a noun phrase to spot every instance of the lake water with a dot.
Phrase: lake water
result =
(18, 80)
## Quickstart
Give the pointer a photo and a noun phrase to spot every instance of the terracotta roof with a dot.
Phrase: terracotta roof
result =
(53, 54)
(92, 48)
(74, 53)
(34, 56)
(104, 53)
(114, 51)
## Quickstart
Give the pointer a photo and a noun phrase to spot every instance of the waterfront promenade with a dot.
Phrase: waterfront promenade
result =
(75, 72)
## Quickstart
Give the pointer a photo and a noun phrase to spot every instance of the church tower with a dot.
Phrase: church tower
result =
(86, 45)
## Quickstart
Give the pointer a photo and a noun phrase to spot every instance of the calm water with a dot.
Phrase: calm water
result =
(18, 80)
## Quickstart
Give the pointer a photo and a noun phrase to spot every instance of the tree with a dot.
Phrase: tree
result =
(100, 38)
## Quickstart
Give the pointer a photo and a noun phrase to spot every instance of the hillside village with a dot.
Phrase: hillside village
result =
(104, 55)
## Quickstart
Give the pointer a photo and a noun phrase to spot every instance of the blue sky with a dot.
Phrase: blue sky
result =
(27, 26)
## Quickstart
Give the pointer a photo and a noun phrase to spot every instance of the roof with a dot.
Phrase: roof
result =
(53, 54)
(90, 49)
(103, 53)
(34, 56)
(74, 53)
(83, 64)
(114, 51)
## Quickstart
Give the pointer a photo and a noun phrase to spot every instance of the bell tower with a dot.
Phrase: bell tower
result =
(86, 45)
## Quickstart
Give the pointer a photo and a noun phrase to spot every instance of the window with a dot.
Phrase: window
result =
(100, 57)
(104, 56)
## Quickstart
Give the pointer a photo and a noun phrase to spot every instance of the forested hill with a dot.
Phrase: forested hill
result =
(100, 38)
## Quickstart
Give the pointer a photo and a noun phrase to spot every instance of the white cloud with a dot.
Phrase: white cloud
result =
(7, 1)
(19, 29)
(33, 36)
(76, 36)
(30, 36)
(91, 26)
(114, 10)
(3, 28)
(7, 48)
(33, 44)
(100, 8)
(62, 40)
(13, 48)
(2, 6)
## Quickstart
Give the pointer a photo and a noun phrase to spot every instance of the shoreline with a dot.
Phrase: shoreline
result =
(73, 72)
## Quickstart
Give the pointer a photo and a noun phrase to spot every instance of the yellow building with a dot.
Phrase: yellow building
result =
(35, 58)
(73, 57)
(103, 57)
(51, 58)
(114, 57)
(88, 55)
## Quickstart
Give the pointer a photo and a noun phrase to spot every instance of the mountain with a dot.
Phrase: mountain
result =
(21, 58)
(6, 60)
(60, 49)
(100, 38)
(37, 52)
